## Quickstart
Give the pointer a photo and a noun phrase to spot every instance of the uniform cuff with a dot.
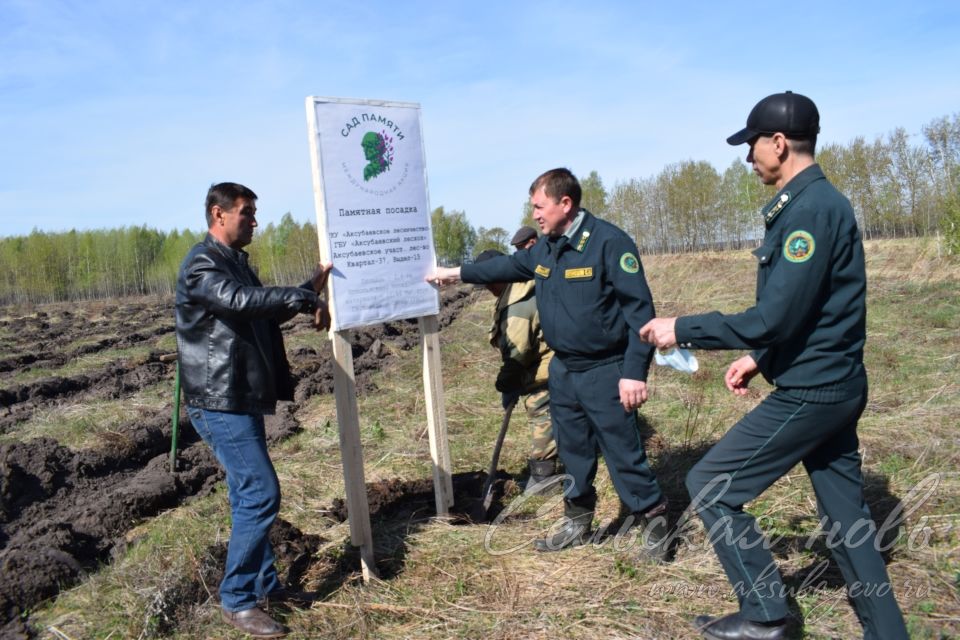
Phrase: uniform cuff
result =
(635, 372)
(683, 332)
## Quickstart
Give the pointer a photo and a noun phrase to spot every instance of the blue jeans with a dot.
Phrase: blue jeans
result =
(239, 442)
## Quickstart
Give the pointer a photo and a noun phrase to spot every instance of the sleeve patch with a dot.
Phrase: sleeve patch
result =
(799, 246)
(629, 263)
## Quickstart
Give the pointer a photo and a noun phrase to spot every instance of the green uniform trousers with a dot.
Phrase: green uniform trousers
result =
(763, 446)
(587, 415)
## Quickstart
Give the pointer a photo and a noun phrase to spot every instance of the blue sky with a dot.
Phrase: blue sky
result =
(117, 113)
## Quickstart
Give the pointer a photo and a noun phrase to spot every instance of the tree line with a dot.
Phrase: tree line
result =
(898, 188)
(132, 261)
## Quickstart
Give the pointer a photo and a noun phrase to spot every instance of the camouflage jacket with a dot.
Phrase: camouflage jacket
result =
(516, 333)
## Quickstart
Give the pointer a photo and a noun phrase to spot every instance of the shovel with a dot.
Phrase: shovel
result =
(175, 431)
(172, 357)
(480, 510)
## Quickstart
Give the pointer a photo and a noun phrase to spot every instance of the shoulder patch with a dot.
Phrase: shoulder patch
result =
(799, 246)
(629, 263)
(542, 271)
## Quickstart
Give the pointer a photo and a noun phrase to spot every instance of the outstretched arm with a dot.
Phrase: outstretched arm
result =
(443, 276)
(660, 332)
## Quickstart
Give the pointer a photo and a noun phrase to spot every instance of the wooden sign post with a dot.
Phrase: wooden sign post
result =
(373, 223)
(436, 415)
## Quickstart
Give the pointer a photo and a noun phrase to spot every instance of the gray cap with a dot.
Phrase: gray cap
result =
(523, 235)
(789, 113)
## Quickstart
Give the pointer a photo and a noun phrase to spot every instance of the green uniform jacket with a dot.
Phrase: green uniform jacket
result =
(516, 333)
(591, 294)
(808, 326)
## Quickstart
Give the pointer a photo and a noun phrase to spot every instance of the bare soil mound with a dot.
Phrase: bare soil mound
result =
(63, 512)
(43, 337)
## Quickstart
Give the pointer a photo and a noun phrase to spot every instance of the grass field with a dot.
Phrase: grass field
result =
(447, 580)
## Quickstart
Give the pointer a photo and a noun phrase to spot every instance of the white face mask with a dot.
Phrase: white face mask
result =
(679, 359)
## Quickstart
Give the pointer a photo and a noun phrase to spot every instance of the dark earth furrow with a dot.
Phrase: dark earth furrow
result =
(63, 512)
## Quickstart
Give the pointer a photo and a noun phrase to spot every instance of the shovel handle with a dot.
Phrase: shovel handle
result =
(176, 419)
(492, 472)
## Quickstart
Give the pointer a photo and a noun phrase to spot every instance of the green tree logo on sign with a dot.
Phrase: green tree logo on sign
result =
(378, 150)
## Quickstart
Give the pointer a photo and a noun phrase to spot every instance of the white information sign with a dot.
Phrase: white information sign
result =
(373, 214)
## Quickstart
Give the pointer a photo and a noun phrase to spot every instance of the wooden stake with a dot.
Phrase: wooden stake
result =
(351, 452)
(346, 397)
(436, 415)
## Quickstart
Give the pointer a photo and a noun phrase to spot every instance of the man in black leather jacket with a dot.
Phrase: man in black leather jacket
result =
(233, 370)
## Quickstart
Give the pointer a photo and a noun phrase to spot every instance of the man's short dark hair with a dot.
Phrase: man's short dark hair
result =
(558, 183)
(806, 146)
(223, 195)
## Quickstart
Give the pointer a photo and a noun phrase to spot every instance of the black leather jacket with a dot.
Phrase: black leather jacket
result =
(228, 331)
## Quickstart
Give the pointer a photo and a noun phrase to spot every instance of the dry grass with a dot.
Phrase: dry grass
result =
(453, 581)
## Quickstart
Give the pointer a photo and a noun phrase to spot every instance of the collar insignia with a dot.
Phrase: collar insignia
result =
(583, 240)
(777, 207)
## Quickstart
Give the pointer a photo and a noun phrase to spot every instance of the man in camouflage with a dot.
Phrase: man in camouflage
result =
(526, 357)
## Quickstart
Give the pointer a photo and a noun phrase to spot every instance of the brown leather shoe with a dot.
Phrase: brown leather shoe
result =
(254, 622)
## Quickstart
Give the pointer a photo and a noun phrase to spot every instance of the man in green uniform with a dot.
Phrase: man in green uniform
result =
(526, 357)
(593, 299)
(806, 331)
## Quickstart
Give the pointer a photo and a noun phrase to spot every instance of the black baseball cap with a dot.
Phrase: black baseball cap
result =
(489, 254)
(523, 235)
(789, 113)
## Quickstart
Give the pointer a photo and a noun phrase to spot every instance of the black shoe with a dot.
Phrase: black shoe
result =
(734, 627)
(655, 538)
(575, 531)
(544, 478)
(545, 486)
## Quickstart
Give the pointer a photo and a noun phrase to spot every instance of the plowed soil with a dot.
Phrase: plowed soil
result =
(64, 512)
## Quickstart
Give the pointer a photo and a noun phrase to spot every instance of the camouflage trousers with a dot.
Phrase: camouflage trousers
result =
(537, 406)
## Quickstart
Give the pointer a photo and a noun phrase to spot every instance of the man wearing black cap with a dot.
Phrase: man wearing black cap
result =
(524, 238)
(806, 332)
